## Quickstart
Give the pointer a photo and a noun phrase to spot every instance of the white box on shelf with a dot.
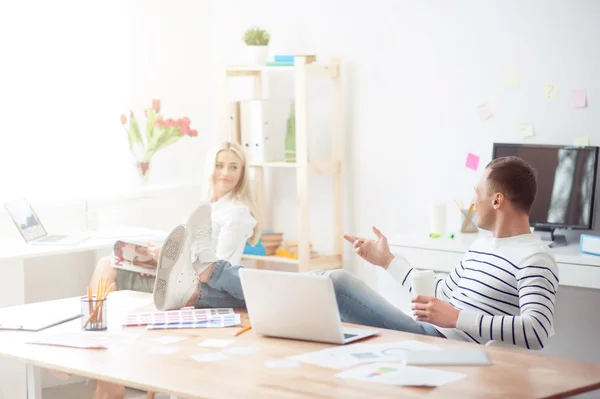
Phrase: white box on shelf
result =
(589, 244)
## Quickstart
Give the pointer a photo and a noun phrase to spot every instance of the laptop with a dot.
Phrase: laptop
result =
(296, 306)
(31, 228)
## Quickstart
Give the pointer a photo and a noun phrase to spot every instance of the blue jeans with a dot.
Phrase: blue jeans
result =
(357, 302)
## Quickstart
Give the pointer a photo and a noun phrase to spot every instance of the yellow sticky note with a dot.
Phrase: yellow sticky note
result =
(550, 91)
(512, 79)
(582, 141)
(526, 130)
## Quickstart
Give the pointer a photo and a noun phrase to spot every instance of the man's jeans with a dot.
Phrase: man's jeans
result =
(357, 302)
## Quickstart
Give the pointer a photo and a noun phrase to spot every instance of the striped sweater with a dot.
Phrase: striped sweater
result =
(505, 289)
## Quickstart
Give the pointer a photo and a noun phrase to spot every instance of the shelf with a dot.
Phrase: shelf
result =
(313, 68)
(320, 262)
(316, 167)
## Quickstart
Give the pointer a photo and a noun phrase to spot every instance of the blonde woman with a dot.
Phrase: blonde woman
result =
(233, 219)
(234, 223)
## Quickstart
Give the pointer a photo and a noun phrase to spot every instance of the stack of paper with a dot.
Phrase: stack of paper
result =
(351, 355)
(396, 374)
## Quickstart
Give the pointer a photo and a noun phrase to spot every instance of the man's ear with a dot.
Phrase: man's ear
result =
(498, 199)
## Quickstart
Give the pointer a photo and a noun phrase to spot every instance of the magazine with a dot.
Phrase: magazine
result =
(135, 256)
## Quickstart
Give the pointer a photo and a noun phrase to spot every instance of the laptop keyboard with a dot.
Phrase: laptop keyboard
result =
(346, 336)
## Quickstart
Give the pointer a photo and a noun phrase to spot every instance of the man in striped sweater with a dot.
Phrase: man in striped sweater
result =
(504, 289)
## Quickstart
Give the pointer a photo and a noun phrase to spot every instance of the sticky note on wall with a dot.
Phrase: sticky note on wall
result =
(512, 79)
(484, 112)
(582, 141)
(526, 130)
(550, 91)
(579, 98)
(472, 161)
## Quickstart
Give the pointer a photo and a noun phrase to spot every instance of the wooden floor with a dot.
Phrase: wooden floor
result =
(83, 391)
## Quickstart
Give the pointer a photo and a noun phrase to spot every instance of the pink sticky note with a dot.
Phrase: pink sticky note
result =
(484, 112)
(472, 161)
(579, 99)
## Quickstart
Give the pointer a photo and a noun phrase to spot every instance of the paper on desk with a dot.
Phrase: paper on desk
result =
(396, 351)
(396, 374)
(83, 340)
(241, 350)
(209, 357)
(281, 364)
(339, 356)
(351, 355)
(164, 350)
(216, 343)
(169, 339)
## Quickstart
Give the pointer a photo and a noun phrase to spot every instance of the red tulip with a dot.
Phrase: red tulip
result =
(185, 121)
(185, 130)
(131, 114)
(123, 120)
(159, 122)
(169, 123)
(178, 123)
(194, 133)
(156, 105)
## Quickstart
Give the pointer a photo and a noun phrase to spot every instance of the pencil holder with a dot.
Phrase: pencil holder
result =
(469, 221)
(94, 314)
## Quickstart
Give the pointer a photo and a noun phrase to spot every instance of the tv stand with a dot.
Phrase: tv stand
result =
(547, 234)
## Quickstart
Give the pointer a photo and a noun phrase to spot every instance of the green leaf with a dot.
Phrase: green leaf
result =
(134, 129)
(168, 137)
(150, 119)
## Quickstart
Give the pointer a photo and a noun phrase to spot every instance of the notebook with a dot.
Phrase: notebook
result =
(464, 357)
(37, 320)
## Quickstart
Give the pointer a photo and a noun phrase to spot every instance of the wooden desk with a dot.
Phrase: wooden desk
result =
(514, 374)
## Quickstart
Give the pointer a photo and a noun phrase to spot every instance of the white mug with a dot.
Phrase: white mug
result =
(422, 282)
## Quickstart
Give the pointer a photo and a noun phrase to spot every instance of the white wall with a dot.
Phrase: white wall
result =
(413, 74)
(71, 68)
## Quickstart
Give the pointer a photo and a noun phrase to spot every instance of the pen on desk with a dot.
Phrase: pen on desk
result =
(243, 330)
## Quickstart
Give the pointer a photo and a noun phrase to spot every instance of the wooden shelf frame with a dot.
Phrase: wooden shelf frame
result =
(303, 166)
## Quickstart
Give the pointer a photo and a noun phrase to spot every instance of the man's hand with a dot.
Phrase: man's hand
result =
(435, 311)
(376, 252)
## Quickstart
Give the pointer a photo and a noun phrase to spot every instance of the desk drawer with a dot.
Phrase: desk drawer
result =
(444, 261)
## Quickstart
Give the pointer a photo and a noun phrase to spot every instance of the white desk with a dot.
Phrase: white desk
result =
(34, 273)
(443, 254)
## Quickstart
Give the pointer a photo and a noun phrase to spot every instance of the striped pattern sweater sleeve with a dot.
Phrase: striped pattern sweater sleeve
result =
(500, 297)
(444, 285)
(531, 324)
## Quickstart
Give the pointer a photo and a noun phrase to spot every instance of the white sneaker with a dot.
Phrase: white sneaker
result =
(202, 251)
(176, 280)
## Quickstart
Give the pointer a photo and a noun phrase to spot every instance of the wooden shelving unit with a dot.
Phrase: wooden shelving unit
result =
(303, 165)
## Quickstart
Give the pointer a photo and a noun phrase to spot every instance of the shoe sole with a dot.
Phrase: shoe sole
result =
(168, 257)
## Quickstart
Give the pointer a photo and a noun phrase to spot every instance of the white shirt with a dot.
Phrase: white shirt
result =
(232, 226)
(505, 289)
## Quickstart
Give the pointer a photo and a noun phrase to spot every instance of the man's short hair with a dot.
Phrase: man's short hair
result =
(515, 179)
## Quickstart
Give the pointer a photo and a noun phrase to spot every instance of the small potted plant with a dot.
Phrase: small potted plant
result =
(257, 46)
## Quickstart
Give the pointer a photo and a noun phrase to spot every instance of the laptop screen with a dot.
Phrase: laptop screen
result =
(25, 219)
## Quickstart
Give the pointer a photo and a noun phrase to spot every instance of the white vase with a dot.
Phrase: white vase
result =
(257, 55)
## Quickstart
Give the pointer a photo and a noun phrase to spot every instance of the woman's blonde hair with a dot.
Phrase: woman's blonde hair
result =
(242, 191)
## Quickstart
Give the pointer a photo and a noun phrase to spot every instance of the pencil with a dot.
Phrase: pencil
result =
(90, 299)
(243, 330)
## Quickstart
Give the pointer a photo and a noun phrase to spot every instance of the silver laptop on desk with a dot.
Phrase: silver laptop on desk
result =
(297, 306)
(31, 228)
